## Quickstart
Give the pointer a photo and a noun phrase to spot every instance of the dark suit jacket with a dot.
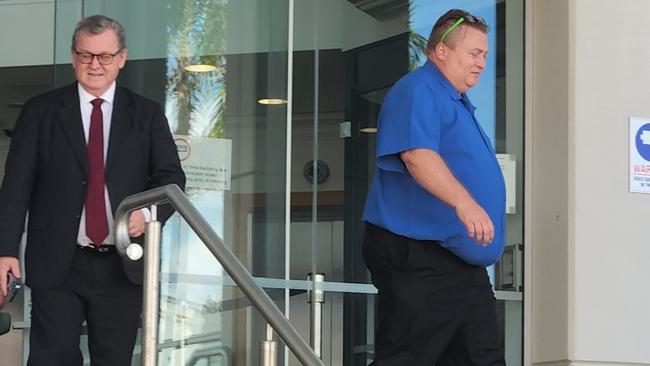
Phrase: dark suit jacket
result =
(47, 170)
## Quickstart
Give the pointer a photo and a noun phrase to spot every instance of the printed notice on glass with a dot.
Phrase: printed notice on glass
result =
(508, 165)
(639, 155)
(205, 161)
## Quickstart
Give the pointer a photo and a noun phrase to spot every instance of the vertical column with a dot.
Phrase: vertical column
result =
(151, 290)
(316, 297)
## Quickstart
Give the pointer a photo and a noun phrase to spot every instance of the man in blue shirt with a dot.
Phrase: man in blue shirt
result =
(436, 210)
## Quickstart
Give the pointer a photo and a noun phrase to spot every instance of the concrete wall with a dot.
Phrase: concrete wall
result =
(611, 224)
(589, 265)
(549, 181)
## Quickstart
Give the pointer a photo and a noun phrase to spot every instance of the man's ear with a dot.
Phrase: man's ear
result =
(440, 51)
(123, 60)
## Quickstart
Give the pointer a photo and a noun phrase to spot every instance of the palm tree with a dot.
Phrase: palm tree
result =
(417, 43)
(196, 101)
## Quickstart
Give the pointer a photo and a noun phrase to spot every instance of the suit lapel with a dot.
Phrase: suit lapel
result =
(70, 119)
(121, 123)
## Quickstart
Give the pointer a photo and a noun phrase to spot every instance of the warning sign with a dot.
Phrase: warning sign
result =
(639, 155)
(206, 162)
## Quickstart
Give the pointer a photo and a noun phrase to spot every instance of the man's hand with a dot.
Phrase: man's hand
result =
(136, 224)
(8, 264)
(476, 220)
(431, 172)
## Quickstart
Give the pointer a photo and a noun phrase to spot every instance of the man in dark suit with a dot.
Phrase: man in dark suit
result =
(76, 152)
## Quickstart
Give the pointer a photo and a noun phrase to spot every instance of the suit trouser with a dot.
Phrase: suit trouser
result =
(433, 308)
(98, 291)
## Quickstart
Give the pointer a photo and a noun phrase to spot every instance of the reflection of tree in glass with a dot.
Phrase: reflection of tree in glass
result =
(212, 306)
(417, 43)
(208, 104)
(196, 35)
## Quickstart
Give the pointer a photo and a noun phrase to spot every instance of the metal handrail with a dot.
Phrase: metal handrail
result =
(231, 264)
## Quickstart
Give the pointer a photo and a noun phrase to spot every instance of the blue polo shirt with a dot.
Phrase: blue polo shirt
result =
(423, 110)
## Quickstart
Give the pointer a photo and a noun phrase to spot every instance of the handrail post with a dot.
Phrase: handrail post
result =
(152, 290)
(316, 298)
(268, 349)
(231, 264)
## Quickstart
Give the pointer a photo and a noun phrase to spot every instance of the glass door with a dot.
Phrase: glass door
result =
(347, 55)
(273, 104)
(220, 71)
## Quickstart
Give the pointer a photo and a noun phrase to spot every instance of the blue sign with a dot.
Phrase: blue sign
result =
(643, 141)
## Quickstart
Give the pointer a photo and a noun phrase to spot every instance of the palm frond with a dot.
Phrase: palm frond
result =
(171, 110)
(218, 131)
(417, 49)
(417, 43)
(197, 35)
(206, 104)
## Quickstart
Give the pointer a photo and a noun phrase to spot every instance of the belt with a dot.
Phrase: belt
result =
(97, 249)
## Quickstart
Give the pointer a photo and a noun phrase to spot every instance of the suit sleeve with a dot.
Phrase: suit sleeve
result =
(164, 165)
(18, 181)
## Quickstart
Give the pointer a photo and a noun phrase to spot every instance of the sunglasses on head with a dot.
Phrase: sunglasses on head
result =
(462, 18)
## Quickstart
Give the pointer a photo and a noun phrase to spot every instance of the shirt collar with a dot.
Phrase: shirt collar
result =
(433, 69)
(453, 93)
(85, 97)
(468, 102)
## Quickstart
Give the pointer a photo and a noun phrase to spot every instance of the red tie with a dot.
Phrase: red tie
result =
(96, 222)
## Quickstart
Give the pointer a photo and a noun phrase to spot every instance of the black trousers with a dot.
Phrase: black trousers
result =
(97, 291)
(433, 308)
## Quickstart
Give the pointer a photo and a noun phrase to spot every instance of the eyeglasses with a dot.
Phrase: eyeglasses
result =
(13, 286)
(466, 17)
(102, 58)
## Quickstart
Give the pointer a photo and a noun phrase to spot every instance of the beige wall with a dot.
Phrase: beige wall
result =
(548, 182)
(589, 268)
(612, 245)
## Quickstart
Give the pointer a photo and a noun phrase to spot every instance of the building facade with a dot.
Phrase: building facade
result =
(273, 104)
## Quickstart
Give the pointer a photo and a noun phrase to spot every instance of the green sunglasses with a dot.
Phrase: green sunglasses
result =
(470, 19)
